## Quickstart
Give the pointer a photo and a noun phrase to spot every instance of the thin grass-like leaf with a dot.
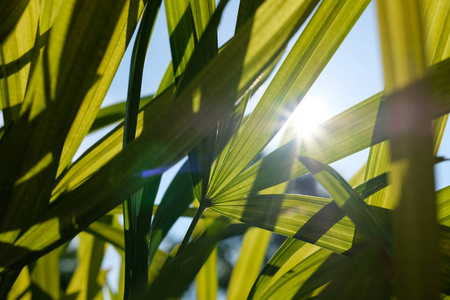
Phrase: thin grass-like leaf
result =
(142, 236)
(105, 149)
(45, 276)
(273, 267)
(348, 200)
(8, 281)
(137, 217)
(158, 262)
(307, 276)
(358, 178)
(126, 23)
(206, 279)
(16, 53)
(114, 113)
(21, 288)
(52, 102)
(84, 283)
(11, 12)
(253, 251)
(443, 205)
(179, 195)
(111, 233)
(181, 32)
(437, 35)
(183, 268)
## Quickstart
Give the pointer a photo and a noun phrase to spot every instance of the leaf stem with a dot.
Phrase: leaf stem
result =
(191, 228)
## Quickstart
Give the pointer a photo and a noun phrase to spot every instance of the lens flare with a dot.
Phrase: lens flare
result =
(308, 115)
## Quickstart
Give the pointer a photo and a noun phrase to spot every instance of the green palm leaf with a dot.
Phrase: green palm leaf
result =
(181, 128)
(307, 58)
(11, 11)
(349, 132)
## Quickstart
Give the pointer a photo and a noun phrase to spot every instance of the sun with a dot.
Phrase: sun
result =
(308, 115)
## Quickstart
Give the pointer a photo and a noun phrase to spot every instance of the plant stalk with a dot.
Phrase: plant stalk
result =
(191, 228)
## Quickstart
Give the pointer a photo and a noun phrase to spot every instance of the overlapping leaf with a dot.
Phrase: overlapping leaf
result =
(183, 268)
(58, 98)
(436, 31)
(408, 122)
(138, 208)
(16, 53)
(11, 11)
(83, 283)
(183, 127)
(274, 266)
(312, 51)
(348, 200)
(347, 133)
